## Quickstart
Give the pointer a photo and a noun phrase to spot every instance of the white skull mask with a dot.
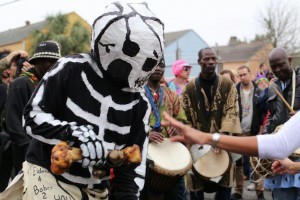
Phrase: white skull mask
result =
(127, 40)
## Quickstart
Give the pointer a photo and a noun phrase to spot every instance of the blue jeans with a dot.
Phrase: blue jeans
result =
(181, 190)
(286, 193)
(222, 194)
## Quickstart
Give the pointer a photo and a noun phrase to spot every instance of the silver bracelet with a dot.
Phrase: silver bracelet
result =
(215, 140)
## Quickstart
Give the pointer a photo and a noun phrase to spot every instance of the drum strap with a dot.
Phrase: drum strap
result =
(293, 89)
(155, 107)
(284, 85)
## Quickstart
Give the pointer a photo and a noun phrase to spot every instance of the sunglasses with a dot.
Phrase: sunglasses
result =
(187, 69)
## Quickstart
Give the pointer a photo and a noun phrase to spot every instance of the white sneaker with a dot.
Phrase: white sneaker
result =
(251, 187)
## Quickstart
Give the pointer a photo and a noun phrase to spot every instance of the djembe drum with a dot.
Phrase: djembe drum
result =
(167, 162)
(209, 166)
(296, 153)
(263, 167)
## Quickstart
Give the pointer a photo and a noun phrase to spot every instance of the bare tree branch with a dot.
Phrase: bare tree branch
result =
(280, 23)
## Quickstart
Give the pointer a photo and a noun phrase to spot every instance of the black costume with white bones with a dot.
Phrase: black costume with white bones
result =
(96, 102)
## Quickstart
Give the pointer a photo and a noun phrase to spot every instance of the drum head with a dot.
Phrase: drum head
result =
(297, 152)
(170, 158)
(212, 165)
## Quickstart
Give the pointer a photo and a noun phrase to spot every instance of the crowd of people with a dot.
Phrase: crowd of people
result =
(264, 105)
(116, 96)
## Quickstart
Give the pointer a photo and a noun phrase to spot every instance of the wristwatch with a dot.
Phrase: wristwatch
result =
(215, 139)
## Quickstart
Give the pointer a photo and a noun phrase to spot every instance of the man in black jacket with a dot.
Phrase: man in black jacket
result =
(285, 186)
(46, 54)
(247, 98)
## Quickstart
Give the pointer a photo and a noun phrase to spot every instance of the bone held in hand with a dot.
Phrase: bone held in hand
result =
(129, 155)
(62, 157)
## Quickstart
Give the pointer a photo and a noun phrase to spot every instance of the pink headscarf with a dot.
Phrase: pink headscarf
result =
(178, 66)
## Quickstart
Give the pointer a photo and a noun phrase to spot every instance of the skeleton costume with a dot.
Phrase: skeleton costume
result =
(96, 102)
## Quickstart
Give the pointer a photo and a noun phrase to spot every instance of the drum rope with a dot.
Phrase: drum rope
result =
(261, 169)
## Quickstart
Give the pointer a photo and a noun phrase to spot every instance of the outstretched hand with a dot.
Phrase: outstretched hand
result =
(189, 135)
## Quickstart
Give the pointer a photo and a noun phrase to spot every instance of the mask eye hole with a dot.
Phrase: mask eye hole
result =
(130, 48)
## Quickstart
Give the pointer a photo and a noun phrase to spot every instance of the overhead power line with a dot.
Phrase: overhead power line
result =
(9, 2)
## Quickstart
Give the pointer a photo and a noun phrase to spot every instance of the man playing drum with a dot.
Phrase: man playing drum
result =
(162, 99)
(211, 105)
(278, 145)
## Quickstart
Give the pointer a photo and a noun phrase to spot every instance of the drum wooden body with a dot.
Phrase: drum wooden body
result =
(167, 162)
(209, 166)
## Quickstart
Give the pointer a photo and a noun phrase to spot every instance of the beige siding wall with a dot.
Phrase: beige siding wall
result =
(232, 65)
(73, 17)
(26, 44)
(12, 47)
(296, 61)
(253, 63)
(258, 58)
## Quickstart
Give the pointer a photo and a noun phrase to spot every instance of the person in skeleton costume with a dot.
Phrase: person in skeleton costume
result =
(96, 103)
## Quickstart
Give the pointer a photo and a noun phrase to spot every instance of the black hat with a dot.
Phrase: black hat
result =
(47, 49)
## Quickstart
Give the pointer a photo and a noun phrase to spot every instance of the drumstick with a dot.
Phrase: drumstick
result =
(284, 101)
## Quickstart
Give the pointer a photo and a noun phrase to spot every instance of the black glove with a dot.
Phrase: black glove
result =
(93, 151)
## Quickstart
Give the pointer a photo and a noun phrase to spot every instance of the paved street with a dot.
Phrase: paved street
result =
(247, 195)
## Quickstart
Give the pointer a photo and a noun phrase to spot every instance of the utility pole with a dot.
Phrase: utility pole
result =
(177, 51)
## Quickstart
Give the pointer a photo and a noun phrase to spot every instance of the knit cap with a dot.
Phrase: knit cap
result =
(178, 66)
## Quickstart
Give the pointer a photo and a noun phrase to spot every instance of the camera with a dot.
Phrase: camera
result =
(20, 65)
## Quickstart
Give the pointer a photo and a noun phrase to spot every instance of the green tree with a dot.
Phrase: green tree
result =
(75, 41)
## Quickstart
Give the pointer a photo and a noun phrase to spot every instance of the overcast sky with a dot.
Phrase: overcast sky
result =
(214, 20)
